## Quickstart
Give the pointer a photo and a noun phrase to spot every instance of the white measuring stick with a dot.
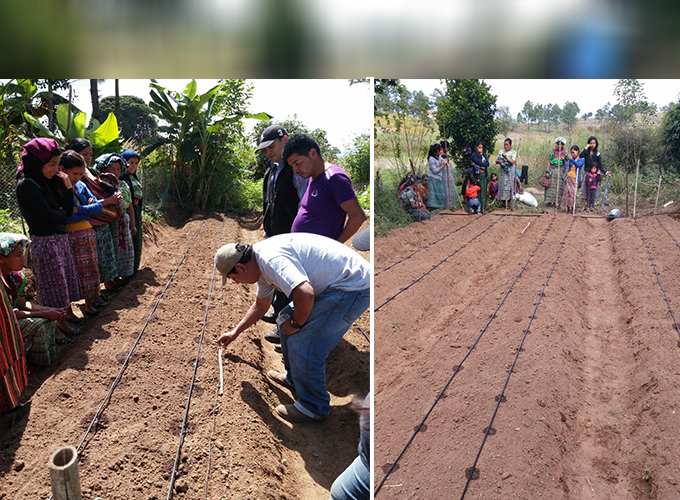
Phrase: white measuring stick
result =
(668, 204)
(525, 228)
(219, 354)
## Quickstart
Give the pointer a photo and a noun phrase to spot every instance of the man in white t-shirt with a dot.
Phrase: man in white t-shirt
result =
(329, 284)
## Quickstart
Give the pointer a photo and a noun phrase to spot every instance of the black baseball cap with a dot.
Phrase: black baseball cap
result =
(270, 134)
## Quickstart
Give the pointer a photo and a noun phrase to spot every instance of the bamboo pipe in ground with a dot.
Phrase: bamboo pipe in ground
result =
(63, 467)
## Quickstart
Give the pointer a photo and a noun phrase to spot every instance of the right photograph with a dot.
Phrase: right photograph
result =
(526, 289)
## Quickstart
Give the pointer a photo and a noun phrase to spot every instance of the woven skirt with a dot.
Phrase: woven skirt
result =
(55, 271)
(125, 257)
(106, 253)
(437, 194)
(137, 239)
(84, 245)
(39, 343)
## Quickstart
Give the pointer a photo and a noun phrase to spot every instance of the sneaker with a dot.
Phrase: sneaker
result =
(269, 318)
(277, 348)
(280, 378)
(273, 337)
(292, 414)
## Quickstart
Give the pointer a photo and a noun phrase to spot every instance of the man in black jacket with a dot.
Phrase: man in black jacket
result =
(282, 191)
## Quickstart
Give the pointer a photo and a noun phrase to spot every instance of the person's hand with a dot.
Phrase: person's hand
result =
(505, 156)
(133, 230)
(287, 328)
(227, 338)
(65, 179)
(54, 314)
(91, 201)
(608, 174)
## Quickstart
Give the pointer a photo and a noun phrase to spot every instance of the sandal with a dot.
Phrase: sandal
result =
(99, 305)
(63, 340)
(113, 288)
(90, 314)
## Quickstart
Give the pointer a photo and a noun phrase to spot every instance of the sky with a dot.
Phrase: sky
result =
(343, 111)
(590, 95)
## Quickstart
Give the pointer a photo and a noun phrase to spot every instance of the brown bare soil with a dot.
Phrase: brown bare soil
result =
(592, 408)
(131, 450)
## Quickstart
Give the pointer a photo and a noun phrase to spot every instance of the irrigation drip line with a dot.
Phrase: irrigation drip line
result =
(362, 331)
(193, 377)
(423, 248)
(460, 365)
(127, 359)
(519, 349)
(669, 233)
(658, 213)
(436, 266)
(515, 215)
(668, 303)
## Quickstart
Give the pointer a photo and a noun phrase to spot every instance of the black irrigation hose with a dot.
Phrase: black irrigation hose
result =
(423, 248)
(519, 349)
(127, 359)
(436, 266)
(362, 331)
(516, 215)
(460, 365)
(670, 309)
(193, 377)
(669, 233)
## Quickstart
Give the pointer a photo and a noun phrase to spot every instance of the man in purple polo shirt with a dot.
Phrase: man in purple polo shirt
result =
(329, 207)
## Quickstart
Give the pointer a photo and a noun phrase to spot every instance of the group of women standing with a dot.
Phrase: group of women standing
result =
(566, 173)
(85, 229)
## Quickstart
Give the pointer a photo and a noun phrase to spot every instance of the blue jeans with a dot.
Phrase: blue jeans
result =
(474, 205)
(305, 352)
(418, 214)
(353, 483)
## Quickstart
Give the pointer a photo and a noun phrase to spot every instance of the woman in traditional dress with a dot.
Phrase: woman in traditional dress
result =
(109, 166)
(82, 236)
(450, 194)
(37, 323)
(506, 158)
(556, 169)
(13, 366)
(131, 179)
(436, 188)
(106, 250)
(45, 196)
(480, 165)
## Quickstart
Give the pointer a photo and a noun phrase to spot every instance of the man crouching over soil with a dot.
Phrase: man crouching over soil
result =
(330, 287)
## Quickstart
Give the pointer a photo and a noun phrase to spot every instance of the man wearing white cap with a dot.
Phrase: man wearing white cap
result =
(329, 284)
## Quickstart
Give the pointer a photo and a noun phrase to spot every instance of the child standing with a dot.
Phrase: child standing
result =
(492, 188)
(471, 193)
(593, 179)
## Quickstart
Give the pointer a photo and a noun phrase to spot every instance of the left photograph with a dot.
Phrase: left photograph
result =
(186, 288)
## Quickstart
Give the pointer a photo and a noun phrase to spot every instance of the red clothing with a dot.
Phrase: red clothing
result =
(471, 191)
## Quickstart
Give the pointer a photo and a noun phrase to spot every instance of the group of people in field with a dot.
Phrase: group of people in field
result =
(573, 170)
(567, 172)
(85, 228)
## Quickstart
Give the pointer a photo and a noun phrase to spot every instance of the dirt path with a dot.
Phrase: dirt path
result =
(131, 451)
(590, 409)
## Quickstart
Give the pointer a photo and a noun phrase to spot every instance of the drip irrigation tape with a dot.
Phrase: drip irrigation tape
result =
(193, 376)
(668, 303)
(127, 359)
(423, 248)
(362, 331)
(669, 233)
(436, 266)
(460, 365)
(515, 215)
(519, 349)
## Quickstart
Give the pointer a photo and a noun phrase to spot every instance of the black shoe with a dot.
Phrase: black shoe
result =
(269, 318)
(273, 337)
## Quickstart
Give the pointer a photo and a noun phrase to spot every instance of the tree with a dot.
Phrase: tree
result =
(469, 111)
(587, 115)
(529, 113)
(671, 133)
(94, 96)
(569, 115)
(504, 120)
(357, 162)
(136, 119)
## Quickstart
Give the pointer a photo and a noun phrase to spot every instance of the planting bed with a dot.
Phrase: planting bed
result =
(592, 407)
(130, 452)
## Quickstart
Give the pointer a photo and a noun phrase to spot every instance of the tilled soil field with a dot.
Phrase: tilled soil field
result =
(131, 449)
(591, 409)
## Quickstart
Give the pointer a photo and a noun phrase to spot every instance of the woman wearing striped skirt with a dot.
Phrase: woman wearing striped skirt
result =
(82, 236)
(37, 323)
(13, 367)
(45, 197)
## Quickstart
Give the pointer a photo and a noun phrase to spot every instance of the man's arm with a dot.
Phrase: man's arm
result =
(256, 311)
(355, 218)
(303, 302)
